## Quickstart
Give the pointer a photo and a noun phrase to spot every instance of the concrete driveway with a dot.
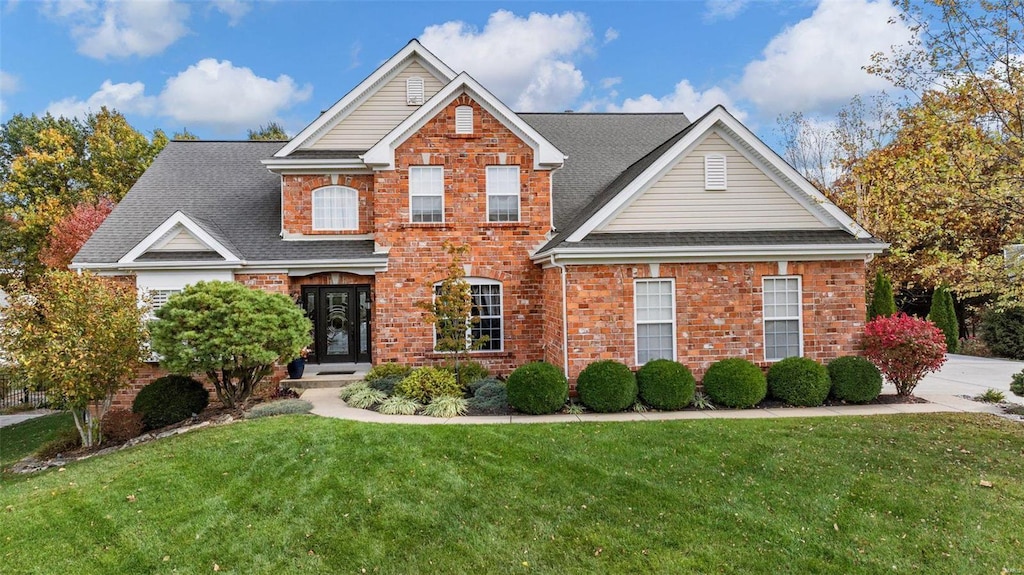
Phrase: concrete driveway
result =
(968, 375)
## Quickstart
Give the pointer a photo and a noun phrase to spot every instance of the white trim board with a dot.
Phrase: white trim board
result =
(178, 219)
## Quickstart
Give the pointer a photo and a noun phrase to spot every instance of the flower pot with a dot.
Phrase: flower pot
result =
(296, 367)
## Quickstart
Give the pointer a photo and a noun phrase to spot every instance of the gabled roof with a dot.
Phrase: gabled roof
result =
(382, 154)
(365, 89)
(197, 231)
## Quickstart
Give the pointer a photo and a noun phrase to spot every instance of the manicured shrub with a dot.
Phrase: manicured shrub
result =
(854, 379)
(386, 384)
(399, 405)
(170, 399)
(468, 372)
(491, 397)
(883, 304)
(1003, 331)
(1017, 384)
(474, 386)
(735, 382)
(606, 386)
(666, 384)
(537, 388)
(426, 383)
(446, 406)
(366, 398)
(66, 441)
(120, 425)
(905, 349)
(351, 389)
(280, 407)
(389, 369)
(799, 381)
(943, 315)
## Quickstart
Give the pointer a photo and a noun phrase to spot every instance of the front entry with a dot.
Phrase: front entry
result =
(341, 323)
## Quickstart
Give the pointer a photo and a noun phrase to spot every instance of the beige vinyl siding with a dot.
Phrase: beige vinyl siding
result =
(381, 112)
(179, 240)
(679, 202)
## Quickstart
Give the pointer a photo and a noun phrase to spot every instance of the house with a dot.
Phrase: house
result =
(591, 236)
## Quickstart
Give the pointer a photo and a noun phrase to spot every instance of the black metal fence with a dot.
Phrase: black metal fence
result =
(15, 391)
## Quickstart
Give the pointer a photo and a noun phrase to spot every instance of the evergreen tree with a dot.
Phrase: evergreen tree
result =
(943, 315)
(882, 301)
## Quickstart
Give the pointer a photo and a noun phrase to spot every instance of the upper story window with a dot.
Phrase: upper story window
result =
(414, 91)
(464, 120)
(426, 193)
(714, 172)
(783, 327)
(335, 208)
(503, 193)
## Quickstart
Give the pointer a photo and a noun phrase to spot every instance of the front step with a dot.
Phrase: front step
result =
(321, 381)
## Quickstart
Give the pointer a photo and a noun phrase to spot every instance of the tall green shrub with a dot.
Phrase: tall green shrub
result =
(882, 301)
(1003, 332)
(943, 315)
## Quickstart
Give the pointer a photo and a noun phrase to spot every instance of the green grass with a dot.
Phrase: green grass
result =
(305, 494)
(19, 440)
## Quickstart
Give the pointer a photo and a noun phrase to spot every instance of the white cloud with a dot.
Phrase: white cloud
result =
(723, 9)
(218, 94)
(121, 29)
(233, 9)
(128, 98)
(9, 83)
(685, 98)
(527, 62)
(609, 82)
(815, 65)
(611, 35)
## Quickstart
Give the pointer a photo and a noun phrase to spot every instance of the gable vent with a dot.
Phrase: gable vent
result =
(464, 120)
(414, 91)
(714, 172)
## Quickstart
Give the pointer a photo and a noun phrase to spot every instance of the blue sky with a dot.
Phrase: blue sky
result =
(223, 66)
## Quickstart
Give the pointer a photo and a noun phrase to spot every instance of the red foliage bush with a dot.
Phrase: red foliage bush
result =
(904, 348)
(120, 425)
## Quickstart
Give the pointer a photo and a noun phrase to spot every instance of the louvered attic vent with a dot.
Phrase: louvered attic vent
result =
(714, 172)
(464, 120)
(414, 91)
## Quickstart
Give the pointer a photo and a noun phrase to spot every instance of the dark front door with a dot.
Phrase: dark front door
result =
(341, 323)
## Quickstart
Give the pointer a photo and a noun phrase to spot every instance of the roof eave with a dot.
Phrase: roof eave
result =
(710, 253)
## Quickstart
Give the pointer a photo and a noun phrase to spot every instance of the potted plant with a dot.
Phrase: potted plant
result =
(298, 365)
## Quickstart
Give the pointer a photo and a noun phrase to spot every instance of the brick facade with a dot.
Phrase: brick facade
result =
(297, 202)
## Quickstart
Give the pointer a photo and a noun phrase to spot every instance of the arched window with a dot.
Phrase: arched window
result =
(487, 308)
(335, 208)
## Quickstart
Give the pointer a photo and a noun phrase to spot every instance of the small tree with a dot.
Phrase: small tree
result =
(80, 337)
(229, 332)
(451, 310)
(882, 301)
(905, 349)
(943, 315)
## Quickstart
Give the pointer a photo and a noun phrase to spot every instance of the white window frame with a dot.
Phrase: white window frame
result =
(799, 317)
(715, 162)
(461, 113)
(354, 200)
(492, 193)
(415, 91)
(637, 322)
(476, 281)
(432, 194)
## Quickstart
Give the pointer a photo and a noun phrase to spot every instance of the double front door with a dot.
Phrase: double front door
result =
(341, 323)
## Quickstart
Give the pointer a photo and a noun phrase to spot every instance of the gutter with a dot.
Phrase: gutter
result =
(708, 252)
(359, 263)
(565, 317)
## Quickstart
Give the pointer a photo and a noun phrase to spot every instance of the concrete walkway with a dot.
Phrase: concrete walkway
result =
(6, 420)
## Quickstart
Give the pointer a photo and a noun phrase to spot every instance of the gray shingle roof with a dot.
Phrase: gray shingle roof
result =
(224, 188)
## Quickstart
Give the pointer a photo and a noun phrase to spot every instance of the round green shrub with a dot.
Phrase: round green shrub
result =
(426, 383)
(1017, 383)
(389, 369)
(854, 379)
(491, 397)
(537, 388)
(170, 399)
(606, 386)
(386, 384)
(799, 381)
(666, 384)
(735, 382)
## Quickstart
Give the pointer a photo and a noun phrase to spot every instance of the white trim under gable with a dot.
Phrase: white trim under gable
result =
(719, 118)
(178, 219)
(382, 155)
(367, 87)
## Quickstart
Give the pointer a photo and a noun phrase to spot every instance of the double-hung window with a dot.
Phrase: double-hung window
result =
(655, 306)
(503, 193)
(487, 311)
(335, 208)
(783, 330)
(426, 193)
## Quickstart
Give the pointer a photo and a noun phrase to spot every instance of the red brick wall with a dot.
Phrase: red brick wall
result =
(498, 251)
(273, 283)
(718, 311)
(552, 318)
(297, 193)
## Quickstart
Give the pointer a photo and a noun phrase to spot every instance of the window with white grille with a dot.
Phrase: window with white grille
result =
(655, 305)
(464, 120)
(335, 208)
(159, 297)
(714, 172)
(783, 329)
(414, 91)
(487, 309)
(503, 193)
(426, 193)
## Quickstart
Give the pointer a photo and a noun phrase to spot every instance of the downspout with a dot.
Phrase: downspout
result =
(565, 318)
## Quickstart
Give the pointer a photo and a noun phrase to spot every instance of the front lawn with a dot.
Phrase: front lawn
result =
(21, 439)
(305, 494)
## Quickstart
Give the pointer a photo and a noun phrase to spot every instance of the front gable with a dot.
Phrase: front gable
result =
(179, 238)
